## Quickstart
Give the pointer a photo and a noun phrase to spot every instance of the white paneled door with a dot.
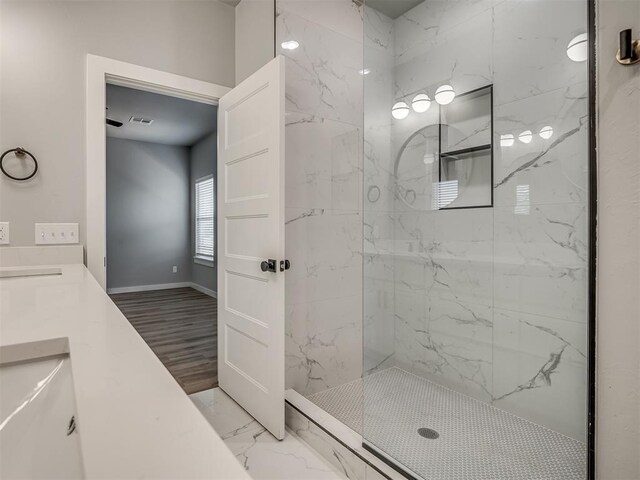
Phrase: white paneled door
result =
(251, 245)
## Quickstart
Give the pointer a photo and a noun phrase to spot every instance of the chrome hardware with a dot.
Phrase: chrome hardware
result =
(629, 52)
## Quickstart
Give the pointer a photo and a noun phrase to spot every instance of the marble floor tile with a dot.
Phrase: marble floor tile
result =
(263, 456)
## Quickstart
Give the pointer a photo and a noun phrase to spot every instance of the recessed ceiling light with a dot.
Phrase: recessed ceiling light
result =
(400, 110)
(290, 45)
(364, 71)
(578, 48)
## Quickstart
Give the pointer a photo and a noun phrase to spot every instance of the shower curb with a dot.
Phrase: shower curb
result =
(334, 441)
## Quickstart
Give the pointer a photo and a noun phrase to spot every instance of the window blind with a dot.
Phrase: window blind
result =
(205, 218)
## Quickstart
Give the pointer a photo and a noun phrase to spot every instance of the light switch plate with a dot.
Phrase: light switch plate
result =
(4, 233)
(56, 233)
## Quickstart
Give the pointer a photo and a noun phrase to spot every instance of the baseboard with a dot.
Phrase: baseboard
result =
(144, 288)
(204, 290)
(162, 286)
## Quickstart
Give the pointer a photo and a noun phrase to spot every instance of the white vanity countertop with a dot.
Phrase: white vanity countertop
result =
(134, 420)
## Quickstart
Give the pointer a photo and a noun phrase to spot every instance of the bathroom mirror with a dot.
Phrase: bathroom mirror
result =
(449, 165)
(417, 168)
(427, 180)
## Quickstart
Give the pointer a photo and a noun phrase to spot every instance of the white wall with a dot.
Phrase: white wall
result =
(618, 340)
(147, 213)
(42, 79)
(254, 36)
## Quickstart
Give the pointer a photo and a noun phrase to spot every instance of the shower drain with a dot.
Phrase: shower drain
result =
(428, 433)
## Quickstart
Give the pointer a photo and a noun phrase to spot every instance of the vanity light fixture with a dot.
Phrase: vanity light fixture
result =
(290, 45)
(421, 103)
(364, 71)
(546, 132)
(400, 110)
(507, 140)
(445, 94)
(577, 50)
(526, 136)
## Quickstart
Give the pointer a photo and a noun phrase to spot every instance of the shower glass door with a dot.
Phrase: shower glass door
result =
(475, 237)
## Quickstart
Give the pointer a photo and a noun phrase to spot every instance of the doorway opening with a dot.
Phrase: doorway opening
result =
(251, 334)
(160, 227)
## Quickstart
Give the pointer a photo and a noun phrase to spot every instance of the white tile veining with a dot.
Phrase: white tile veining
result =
(256, 449)
(488, 302)
(323, 191)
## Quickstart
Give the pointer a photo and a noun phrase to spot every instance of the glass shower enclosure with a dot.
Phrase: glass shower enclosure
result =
(438, 203)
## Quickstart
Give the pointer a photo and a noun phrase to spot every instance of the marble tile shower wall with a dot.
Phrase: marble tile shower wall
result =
(379, 298)
(490, 302)
(323, 192)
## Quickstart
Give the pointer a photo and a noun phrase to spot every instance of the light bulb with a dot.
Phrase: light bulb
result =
(421, 103)
(506, 140)
(577, 50)
(445, 94)
(290, 45)
(400, 110)
(526, 136)
(546, 132)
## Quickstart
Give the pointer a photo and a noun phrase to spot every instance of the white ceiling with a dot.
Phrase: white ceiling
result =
(175, 121)
(393, 8)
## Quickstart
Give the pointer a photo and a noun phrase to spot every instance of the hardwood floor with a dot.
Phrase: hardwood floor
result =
(180, 326)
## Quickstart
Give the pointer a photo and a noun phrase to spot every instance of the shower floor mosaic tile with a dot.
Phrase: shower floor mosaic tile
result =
(475, 440)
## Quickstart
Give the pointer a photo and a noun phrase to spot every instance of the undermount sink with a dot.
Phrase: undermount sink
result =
(29, 272)
(38, 434)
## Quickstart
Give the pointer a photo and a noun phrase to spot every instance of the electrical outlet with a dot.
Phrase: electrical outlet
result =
(175, 269)
(4, 233)
(56, 233)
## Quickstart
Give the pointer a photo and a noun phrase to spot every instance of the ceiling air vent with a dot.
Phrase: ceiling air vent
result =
(141, 120)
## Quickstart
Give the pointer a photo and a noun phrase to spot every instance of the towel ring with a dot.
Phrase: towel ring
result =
(20, 152)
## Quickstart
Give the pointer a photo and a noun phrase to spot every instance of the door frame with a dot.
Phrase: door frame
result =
(101, 71)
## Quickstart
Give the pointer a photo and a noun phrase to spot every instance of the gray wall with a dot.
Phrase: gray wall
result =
(42, 84)
(147, 213)
(203, 158)
(254, 36)
(618, 342)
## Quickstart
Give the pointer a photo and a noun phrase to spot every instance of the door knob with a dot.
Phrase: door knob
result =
(268, 265)
(284, 265)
